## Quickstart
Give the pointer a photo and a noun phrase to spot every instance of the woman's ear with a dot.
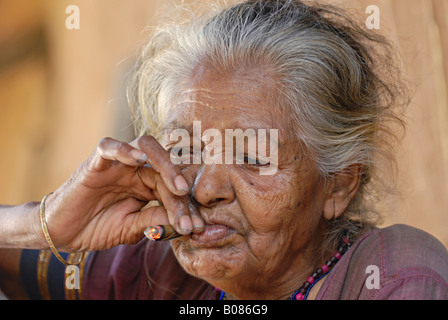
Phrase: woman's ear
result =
(343, 188)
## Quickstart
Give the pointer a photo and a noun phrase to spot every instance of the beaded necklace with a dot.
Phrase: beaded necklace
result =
(303, 292)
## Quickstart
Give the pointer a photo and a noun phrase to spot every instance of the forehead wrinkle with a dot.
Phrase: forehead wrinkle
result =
(190, 102)
(235, 90)
(226, 100)
(255, 121)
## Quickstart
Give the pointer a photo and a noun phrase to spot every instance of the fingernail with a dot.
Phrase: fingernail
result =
(185, 224)
(180, 183)
(139, 156)
(198, 224)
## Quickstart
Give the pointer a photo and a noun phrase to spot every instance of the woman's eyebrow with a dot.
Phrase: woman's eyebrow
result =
(175, 124)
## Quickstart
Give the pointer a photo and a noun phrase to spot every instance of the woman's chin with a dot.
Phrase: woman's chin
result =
(208, 263)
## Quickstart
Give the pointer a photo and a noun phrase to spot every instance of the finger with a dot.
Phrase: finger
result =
(152, 216)
(138, 222)
(177, 208)
(160, 160)
(114, 150)
(198, 223)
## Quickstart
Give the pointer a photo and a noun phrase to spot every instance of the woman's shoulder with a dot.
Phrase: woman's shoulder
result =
(402, 247)
(411, 264)
(397, 262)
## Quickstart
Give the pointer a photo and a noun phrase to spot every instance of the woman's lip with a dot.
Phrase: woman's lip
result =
(212, 235)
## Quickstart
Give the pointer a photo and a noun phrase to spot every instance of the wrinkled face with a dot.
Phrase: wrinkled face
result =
(260, 229)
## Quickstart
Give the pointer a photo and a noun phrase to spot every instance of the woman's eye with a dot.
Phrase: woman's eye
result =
(176, 152)
(179, 152)
(181, 155)
(252, 161)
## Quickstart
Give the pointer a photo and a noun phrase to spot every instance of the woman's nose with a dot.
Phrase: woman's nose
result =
(212, 185)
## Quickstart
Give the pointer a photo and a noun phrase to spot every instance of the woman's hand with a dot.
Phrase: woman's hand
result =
(102, 204)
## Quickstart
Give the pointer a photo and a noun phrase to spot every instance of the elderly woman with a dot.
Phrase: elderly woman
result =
(287, 219)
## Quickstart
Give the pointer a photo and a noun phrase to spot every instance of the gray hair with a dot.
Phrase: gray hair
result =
(339, 82)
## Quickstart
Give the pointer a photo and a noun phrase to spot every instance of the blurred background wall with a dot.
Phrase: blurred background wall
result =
(62, 90)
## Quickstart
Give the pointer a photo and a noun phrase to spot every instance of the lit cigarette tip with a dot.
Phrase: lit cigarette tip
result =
(160, 233)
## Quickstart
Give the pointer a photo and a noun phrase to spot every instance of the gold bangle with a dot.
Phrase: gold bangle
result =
(48, 238)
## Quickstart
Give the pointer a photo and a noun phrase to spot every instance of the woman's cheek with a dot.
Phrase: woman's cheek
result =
(265, 200)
